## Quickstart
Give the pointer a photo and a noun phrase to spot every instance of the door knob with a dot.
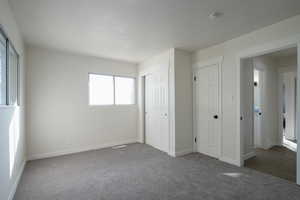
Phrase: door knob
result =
(216, 117)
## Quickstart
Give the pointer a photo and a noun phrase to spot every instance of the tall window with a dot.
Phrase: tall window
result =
(9, 72)
(111, 90)
(3, 69)
(13, 76)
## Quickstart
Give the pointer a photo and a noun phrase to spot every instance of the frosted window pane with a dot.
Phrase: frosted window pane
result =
(101, 90)
(125, 90)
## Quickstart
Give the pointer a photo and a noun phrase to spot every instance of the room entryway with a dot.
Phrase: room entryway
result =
(268, 113)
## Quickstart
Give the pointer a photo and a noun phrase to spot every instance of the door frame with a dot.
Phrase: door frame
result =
(258, 51)
(214, 61)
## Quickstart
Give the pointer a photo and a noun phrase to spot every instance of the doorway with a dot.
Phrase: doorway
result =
(268, 91)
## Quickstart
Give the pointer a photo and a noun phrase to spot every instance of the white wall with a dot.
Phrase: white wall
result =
(230, 49)
(247, 93)
(60, 120)
(183, 102)
(12, 122)
(270, 110)
(290, 104)
(287, 65)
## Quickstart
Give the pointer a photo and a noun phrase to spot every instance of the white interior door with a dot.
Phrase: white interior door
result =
(207, 116)
(156, 108)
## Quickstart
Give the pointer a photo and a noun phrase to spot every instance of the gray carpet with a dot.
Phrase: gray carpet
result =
(143, 173)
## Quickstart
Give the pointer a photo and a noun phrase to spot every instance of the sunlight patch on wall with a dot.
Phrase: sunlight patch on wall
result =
(14, 137)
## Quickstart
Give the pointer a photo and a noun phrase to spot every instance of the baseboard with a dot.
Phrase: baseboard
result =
(230, 161)
(172, 154)
(183, 152)
(249, 155)
(16, 182)
(72, 151)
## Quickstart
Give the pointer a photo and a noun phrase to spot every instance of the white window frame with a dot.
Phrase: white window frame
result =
(114, 89)
(8, 86)
(6, 67)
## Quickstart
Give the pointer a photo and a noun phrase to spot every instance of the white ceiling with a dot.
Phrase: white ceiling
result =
(133, 30)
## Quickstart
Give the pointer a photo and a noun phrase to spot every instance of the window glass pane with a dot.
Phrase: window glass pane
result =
(101, 90)
(13, 76)
(2, 70)
(125, 90)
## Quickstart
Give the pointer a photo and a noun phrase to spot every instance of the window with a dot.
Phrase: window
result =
(9, 72)
(124, 88)
(3, 69)
(13, 76)
(111, 90)
(101, 90)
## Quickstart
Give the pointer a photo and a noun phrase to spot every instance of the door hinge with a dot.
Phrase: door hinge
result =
(195, 139)
(195, 78)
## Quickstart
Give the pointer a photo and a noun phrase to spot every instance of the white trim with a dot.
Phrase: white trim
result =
(16, 182)
(230, 161)
(183, 152)
(298, 112)
(249, 155)
(213, 61)
(8, 106)
(269, 47)
(290, 145)
(72, 151)
(257, 51)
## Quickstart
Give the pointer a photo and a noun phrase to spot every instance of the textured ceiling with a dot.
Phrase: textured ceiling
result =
(133, 30)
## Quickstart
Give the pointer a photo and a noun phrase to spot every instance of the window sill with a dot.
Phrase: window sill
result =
(9, 106)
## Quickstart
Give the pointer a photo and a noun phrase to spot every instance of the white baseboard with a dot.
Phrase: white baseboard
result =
(72, 151)
(183, 152)
(172, 154)
(230, 161)
(16, 182)
(249, 155)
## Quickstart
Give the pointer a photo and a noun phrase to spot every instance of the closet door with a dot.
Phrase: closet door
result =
(156, 108)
